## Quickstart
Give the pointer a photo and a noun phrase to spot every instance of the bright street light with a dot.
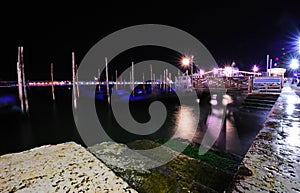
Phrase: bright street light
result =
(228, 70)
(299, 45)
(186, 61)
(294, 64)
(216, 71)
(255, 68)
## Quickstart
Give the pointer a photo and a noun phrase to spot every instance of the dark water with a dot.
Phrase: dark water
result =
(47, 122)
(50, 122)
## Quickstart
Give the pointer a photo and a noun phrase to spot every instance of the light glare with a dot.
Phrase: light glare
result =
(216, 70)
(185, 61)
(294, 64)
(299, 45)
(228, 71)
(255, 68)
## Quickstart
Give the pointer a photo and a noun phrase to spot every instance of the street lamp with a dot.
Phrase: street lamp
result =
(294, 65)
(255, 69)
(186, 61)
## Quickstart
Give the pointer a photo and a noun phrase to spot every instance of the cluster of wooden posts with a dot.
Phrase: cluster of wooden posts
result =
(22, 85)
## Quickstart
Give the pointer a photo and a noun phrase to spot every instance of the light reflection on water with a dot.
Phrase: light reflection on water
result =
(185, 122)
(226, 134)
(233, 143)
(53, 122)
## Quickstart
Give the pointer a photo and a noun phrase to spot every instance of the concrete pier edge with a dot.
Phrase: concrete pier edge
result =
(272, 163)
(65, 167)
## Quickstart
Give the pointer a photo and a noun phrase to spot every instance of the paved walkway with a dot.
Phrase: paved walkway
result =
(273, 161)
(66, 167)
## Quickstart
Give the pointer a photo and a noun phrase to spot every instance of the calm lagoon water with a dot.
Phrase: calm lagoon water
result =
(50, 122)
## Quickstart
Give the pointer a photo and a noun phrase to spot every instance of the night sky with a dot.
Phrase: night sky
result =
(243, 32)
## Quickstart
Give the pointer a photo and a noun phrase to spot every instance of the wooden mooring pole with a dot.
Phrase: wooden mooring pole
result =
(107, 83)
(116, 79)
(132, 74)
(99, 81)
(24, 82)
(74, 81)
(151, 78)
(52, 85)
(20, 83)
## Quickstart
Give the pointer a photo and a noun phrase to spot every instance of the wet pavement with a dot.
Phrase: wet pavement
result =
(272, 164)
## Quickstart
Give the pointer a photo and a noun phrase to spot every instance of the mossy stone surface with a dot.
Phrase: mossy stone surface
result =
(181, 174)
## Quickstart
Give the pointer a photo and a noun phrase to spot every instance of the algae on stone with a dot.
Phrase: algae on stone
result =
(181, 174)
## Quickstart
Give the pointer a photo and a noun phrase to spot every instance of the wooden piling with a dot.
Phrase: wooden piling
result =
(154, 80)
(107, 83)
(167, 85)
(74, 81)
(116, 79)
(24, 82)
(160, 80)
(20, 85)
(132, 74)
(170, 79)
(52, 84)
(130, 80)
(99, 81)
(144, 82)
(164, 81)
(151, 76)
